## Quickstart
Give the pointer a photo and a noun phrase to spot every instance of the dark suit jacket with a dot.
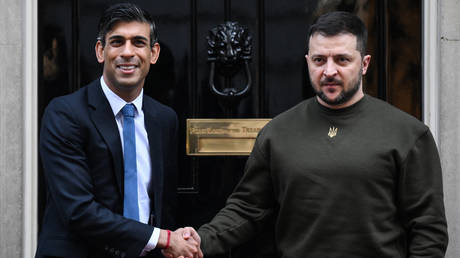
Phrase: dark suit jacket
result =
(82, 158)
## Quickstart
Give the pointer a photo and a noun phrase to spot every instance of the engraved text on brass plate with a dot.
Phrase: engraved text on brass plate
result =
(221, 137)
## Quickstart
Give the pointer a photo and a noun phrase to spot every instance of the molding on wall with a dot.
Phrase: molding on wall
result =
(430, 64)
(30, 139)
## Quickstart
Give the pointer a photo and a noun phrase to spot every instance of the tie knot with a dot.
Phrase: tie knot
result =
(128, 110)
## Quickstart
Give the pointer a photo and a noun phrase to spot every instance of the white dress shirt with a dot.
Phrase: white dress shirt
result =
(144, 171)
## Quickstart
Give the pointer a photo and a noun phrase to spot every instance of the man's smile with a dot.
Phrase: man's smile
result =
(127, 68)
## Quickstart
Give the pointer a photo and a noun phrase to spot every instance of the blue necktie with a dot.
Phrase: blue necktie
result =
(130, 205)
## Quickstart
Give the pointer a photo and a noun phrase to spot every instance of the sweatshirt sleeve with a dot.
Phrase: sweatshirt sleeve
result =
(421, 202)
(247, 209)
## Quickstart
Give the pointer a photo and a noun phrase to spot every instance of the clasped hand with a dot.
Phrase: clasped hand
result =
(184, 243)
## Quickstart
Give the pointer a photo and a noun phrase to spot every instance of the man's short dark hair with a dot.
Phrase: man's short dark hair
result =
(335, 23)
(125, 12)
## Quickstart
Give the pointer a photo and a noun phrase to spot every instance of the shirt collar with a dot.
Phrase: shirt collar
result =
(117, 103)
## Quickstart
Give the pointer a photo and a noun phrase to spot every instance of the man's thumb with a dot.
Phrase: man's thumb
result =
(186, 234)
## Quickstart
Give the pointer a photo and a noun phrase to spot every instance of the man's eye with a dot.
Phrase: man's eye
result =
(140, 43)
(116, 42)
(343, 60)
(317, 60)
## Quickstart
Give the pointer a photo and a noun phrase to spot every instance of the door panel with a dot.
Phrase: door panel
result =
(278, 69)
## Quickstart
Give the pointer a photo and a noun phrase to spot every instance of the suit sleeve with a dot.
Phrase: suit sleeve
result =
(421, 200)
(246, 211)
(70, 186)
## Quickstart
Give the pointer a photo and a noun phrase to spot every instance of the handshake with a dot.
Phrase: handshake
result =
(182, 243)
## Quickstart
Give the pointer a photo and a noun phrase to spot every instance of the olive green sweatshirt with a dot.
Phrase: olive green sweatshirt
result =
(360, 182)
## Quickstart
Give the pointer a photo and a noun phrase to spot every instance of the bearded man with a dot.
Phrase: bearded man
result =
(345, 175)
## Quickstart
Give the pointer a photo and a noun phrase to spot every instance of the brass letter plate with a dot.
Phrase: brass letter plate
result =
(222, 137)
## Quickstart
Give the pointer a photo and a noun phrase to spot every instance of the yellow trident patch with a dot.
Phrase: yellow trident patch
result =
(332, 132)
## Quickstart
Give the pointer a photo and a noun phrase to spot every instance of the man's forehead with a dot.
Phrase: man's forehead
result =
(132, 28)
(322, 34)
(342, 41)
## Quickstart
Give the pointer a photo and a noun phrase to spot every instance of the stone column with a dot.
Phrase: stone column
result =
(11, 127)
(449, 121)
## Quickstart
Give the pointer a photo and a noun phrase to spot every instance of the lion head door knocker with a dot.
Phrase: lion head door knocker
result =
(229, 51)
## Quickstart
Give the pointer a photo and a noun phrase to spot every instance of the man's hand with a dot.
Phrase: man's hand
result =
(190, 233)
(183, 243)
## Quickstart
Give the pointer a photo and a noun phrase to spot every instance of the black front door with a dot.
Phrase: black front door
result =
(276, 66)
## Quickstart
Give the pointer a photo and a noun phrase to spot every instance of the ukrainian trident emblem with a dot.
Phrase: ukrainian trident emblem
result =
(332, 132)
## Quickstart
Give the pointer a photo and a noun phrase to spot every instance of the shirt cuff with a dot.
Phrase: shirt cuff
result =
(152, 243)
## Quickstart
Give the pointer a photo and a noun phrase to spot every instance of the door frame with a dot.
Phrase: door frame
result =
(30, 123)
(430, 66)
(430, 106)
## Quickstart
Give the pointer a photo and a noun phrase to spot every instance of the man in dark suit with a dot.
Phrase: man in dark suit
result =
(109, 154)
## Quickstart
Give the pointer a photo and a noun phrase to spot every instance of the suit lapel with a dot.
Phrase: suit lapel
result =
(102, 115)
(156, 157)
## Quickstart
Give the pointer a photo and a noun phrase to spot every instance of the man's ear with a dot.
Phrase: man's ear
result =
(155, 53)
(366, 62)
(99, 48)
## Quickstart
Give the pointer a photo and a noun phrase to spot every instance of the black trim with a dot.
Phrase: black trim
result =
(262, 96)
(193, 96)
(228, 10)
(382, 50)
(75, 75)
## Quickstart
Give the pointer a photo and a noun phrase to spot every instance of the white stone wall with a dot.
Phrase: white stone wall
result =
(449, 127)
(11, 127)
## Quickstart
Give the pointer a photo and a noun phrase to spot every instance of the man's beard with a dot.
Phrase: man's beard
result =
(344, 96)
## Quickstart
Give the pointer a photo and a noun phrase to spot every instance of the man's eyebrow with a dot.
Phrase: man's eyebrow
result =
(140, 38)
(115, 37)
(335, 55)
(121, 37)
(344, 55)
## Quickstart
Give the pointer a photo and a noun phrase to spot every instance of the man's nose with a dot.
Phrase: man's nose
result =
(128, 49)
(330, 69)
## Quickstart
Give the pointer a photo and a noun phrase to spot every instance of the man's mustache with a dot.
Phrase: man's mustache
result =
(330, 81)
